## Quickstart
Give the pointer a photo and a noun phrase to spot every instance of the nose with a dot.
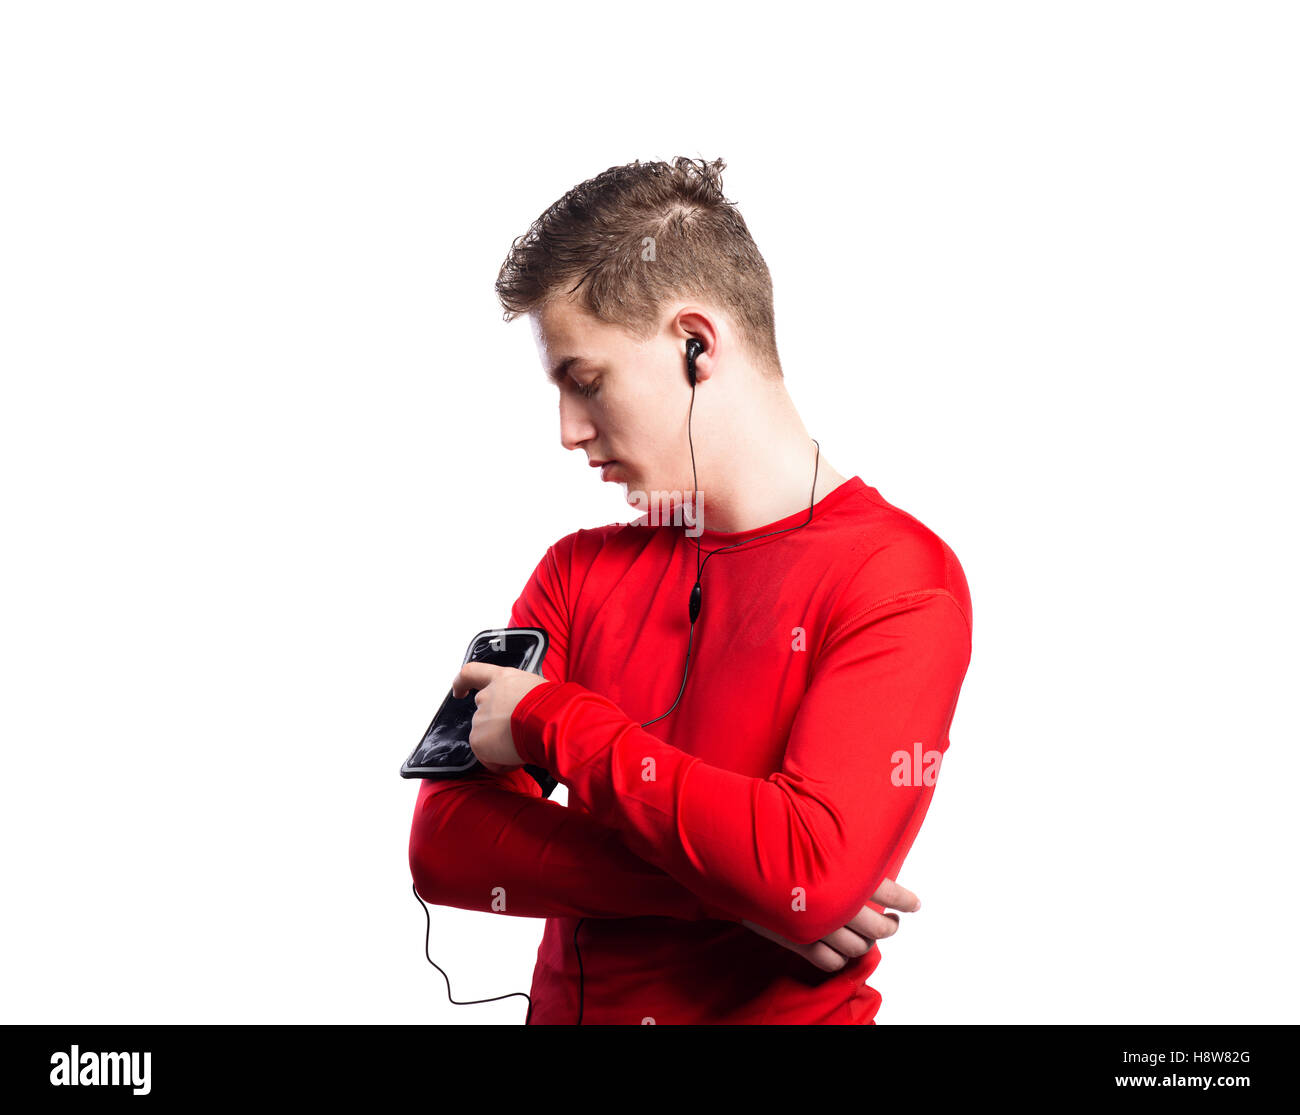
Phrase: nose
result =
(575, 424)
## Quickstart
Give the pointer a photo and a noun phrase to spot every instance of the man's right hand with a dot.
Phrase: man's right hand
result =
(855, 939)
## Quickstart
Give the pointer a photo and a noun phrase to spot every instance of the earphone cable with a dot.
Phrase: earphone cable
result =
(428, 925)
(696, 604)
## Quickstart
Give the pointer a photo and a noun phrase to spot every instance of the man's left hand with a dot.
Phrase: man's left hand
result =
(500, 689)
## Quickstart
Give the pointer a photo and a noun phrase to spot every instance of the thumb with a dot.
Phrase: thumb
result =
(473, 675)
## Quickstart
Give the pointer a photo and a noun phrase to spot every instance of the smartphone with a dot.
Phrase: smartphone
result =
(444, 750)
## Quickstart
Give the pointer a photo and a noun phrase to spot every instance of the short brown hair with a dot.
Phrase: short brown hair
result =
(638, 235)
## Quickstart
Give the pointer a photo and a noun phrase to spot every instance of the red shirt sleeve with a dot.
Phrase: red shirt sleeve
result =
(801, 851)
(491, 842)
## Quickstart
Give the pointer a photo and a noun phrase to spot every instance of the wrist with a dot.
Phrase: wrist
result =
(526, 728)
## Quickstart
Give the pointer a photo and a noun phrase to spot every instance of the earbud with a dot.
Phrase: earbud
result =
(693, 349)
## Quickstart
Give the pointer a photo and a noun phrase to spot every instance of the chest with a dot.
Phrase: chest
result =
(751, 650)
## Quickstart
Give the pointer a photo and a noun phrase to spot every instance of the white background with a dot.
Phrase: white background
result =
(270, 457)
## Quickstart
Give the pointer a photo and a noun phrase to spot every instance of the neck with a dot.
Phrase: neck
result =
(760, 467)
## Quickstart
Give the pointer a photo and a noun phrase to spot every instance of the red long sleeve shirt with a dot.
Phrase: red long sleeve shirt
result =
(790, 780)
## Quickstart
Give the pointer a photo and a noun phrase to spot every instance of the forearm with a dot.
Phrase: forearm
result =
(492, 843)
(801, 850)
(763, 846)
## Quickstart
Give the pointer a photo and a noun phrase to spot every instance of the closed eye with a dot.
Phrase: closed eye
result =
(587, 390)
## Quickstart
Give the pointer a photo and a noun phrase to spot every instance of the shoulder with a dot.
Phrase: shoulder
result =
(578, 549)
(897, 557)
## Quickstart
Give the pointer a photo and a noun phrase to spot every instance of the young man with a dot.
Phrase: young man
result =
(735, 818)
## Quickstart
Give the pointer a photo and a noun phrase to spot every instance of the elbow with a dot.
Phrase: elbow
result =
(836, 867)
(418, 854)
(804, 926)
(430, 837)
(812, 907)
(423, 853)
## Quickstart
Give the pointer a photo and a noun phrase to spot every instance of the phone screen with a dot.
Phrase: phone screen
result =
(445, 747)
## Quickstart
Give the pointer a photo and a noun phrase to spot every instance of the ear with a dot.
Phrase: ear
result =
(702, 323)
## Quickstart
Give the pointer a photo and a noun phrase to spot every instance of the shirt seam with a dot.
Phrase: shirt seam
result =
(818, 516)
(895, 598)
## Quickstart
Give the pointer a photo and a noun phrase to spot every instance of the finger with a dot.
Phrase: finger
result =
(823, 956)
(819, 953)
(868, 923)
(899, 898)
(770, 935)
(473, 675)
(848, 943)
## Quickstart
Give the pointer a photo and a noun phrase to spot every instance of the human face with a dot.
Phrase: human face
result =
(621, 399)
